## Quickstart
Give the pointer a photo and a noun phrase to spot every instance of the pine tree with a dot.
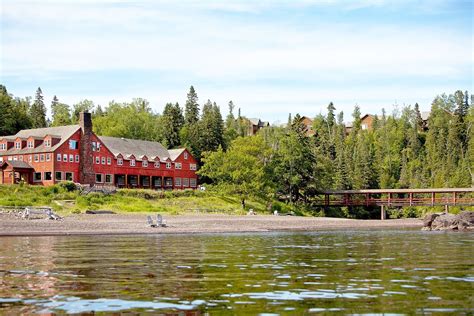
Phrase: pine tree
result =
(191, 114)
(38, 110)
(172, 121)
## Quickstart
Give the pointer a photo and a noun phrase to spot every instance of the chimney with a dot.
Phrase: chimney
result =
(86, 165)
(85, 121)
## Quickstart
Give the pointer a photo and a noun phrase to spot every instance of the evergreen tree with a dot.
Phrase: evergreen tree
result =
(38, 110)
(191, 114)
(82, 106)
(61, 113)
(172, 121)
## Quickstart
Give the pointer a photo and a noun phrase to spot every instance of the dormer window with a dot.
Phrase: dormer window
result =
(168, 165)
(157, 164)
(185, 155)
(18, 145)
(145, 163)
(3, 146)
(47, 143)
(119, 161)
(30, 144)
(132, 163)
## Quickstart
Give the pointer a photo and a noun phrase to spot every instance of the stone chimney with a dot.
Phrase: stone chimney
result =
(86, 165)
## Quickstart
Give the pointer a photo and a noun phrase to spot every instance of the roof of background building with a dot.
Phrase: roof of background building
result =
(16, 164)
(135, 147)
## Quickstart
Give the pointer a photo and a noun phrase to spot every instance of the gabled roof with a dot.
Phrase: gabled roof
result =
(16, 164)
(254, 121)
(135, 147)
(64, 132)
(175, 153)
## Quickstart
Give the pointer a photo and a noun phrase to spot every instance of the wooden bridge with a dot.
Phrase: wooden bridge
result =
(397, 198)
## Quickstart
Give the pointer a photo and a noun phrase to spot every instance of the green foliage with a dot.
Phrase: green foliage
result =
(38, 110)
(61, 113)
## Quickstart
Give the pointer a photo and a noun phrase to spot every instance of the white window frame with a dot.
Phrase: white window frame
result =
(132, 163)
(58, 157)
(192, 182)
(192, 166)
(177, 182)
(65, 158)
(48, 157)
(97, 160)
(77, 158)
(47, 143)
(109, 161)
(60, 178)
(71, 158)
(75, 142)
(178, 165)
(30, 144)
(101, 178)
(186, 182)
(103, 160)
(157, 164)
(185, 155)
(42, 158)
(168, 165)
(145, 163)
(119, 161)
(72, 176)
(44, 176)
(18, 145)
(3, 146)
(111, 178)
(34, 177)
(37, 158)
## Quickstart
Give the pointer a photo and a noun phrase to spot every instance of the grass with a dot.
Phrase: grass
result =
(126, 201)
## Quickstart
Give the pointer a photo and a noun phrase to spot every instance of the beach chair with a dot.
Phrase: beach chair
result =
(150, 221)
(159, 221)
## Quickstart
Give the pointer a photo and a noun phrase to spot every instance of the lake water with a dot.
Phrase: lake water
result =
(347, 272)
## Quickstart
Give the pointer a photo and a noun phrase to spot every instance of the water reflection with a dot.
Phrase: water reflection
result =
(280, 273)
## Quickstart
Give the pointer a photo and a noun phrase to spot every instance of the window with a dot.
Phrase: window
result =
(58, 157)
(145, 163)
(177, 182)
(37, 176)
(3, 146)
(48, 157)
(30, 144)
(119, 161)
(65, 157)
(185, 155)
(132, 163)
(177, 165)
(77, 158)
(94, 146)
(168, 182)
(68, 176)
(185, 182)
(20, 158)
(192, 166)
(99, 178)
(48, 176)
(192, 182)
(109, 160)
(97, 160)
(98, 146)
(103, 160)
(47, 143)
(364, 126)
(36, 158)
(168, 165)
(30, 158)
(58, 176)
(108, 178)
(157, 164)
(15, 158)
(18, 145)
(71, 158)
(73, 144)
(42, 157)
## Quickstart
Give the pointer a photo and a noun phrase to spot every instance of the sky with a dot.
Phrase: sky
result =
(270, 58)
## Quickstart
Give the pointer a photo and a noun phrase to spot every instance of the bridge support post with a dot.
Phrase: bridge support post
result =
(446, 209)
(382, 213)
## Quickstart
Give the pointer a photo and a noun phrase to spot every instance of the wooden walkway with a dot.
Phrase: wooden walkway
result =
(397, 197)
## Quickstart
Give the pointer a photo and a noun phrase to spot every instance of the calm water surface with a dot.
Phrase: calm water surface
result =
(346, 272)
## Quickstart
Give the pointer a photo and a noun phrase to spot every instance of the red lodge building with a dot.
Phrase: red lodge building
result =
(46, 156)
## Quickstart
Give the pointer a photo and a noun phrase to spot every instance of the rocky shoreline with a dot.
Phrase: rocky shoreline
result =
(445, 221)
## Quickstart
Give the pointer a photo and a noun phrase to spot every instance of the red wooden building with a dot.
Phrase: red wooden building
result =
(46, 156)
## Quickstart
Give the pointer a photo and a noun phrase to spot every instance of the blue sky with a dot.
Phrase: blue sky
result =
(270, 57)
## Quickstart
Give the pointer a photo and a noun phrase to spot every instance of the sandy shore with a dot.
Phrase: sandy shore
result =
(85, 224)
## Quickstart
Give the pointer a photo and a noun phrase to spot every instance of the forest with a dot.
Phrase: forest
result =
(400, 150)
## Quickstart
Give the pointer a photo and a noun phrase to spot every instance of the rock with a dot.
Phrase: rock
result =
(462, 221)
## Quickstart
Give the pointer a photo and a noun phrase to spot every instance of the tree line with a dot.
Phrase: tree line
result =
(400, 150)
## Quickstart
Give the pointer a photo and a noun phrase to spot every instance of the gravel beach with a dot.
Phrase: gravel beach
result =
(86, 224)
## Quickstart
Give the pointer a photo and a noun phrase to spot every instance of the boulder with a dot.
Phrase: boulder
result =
(461, 221)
